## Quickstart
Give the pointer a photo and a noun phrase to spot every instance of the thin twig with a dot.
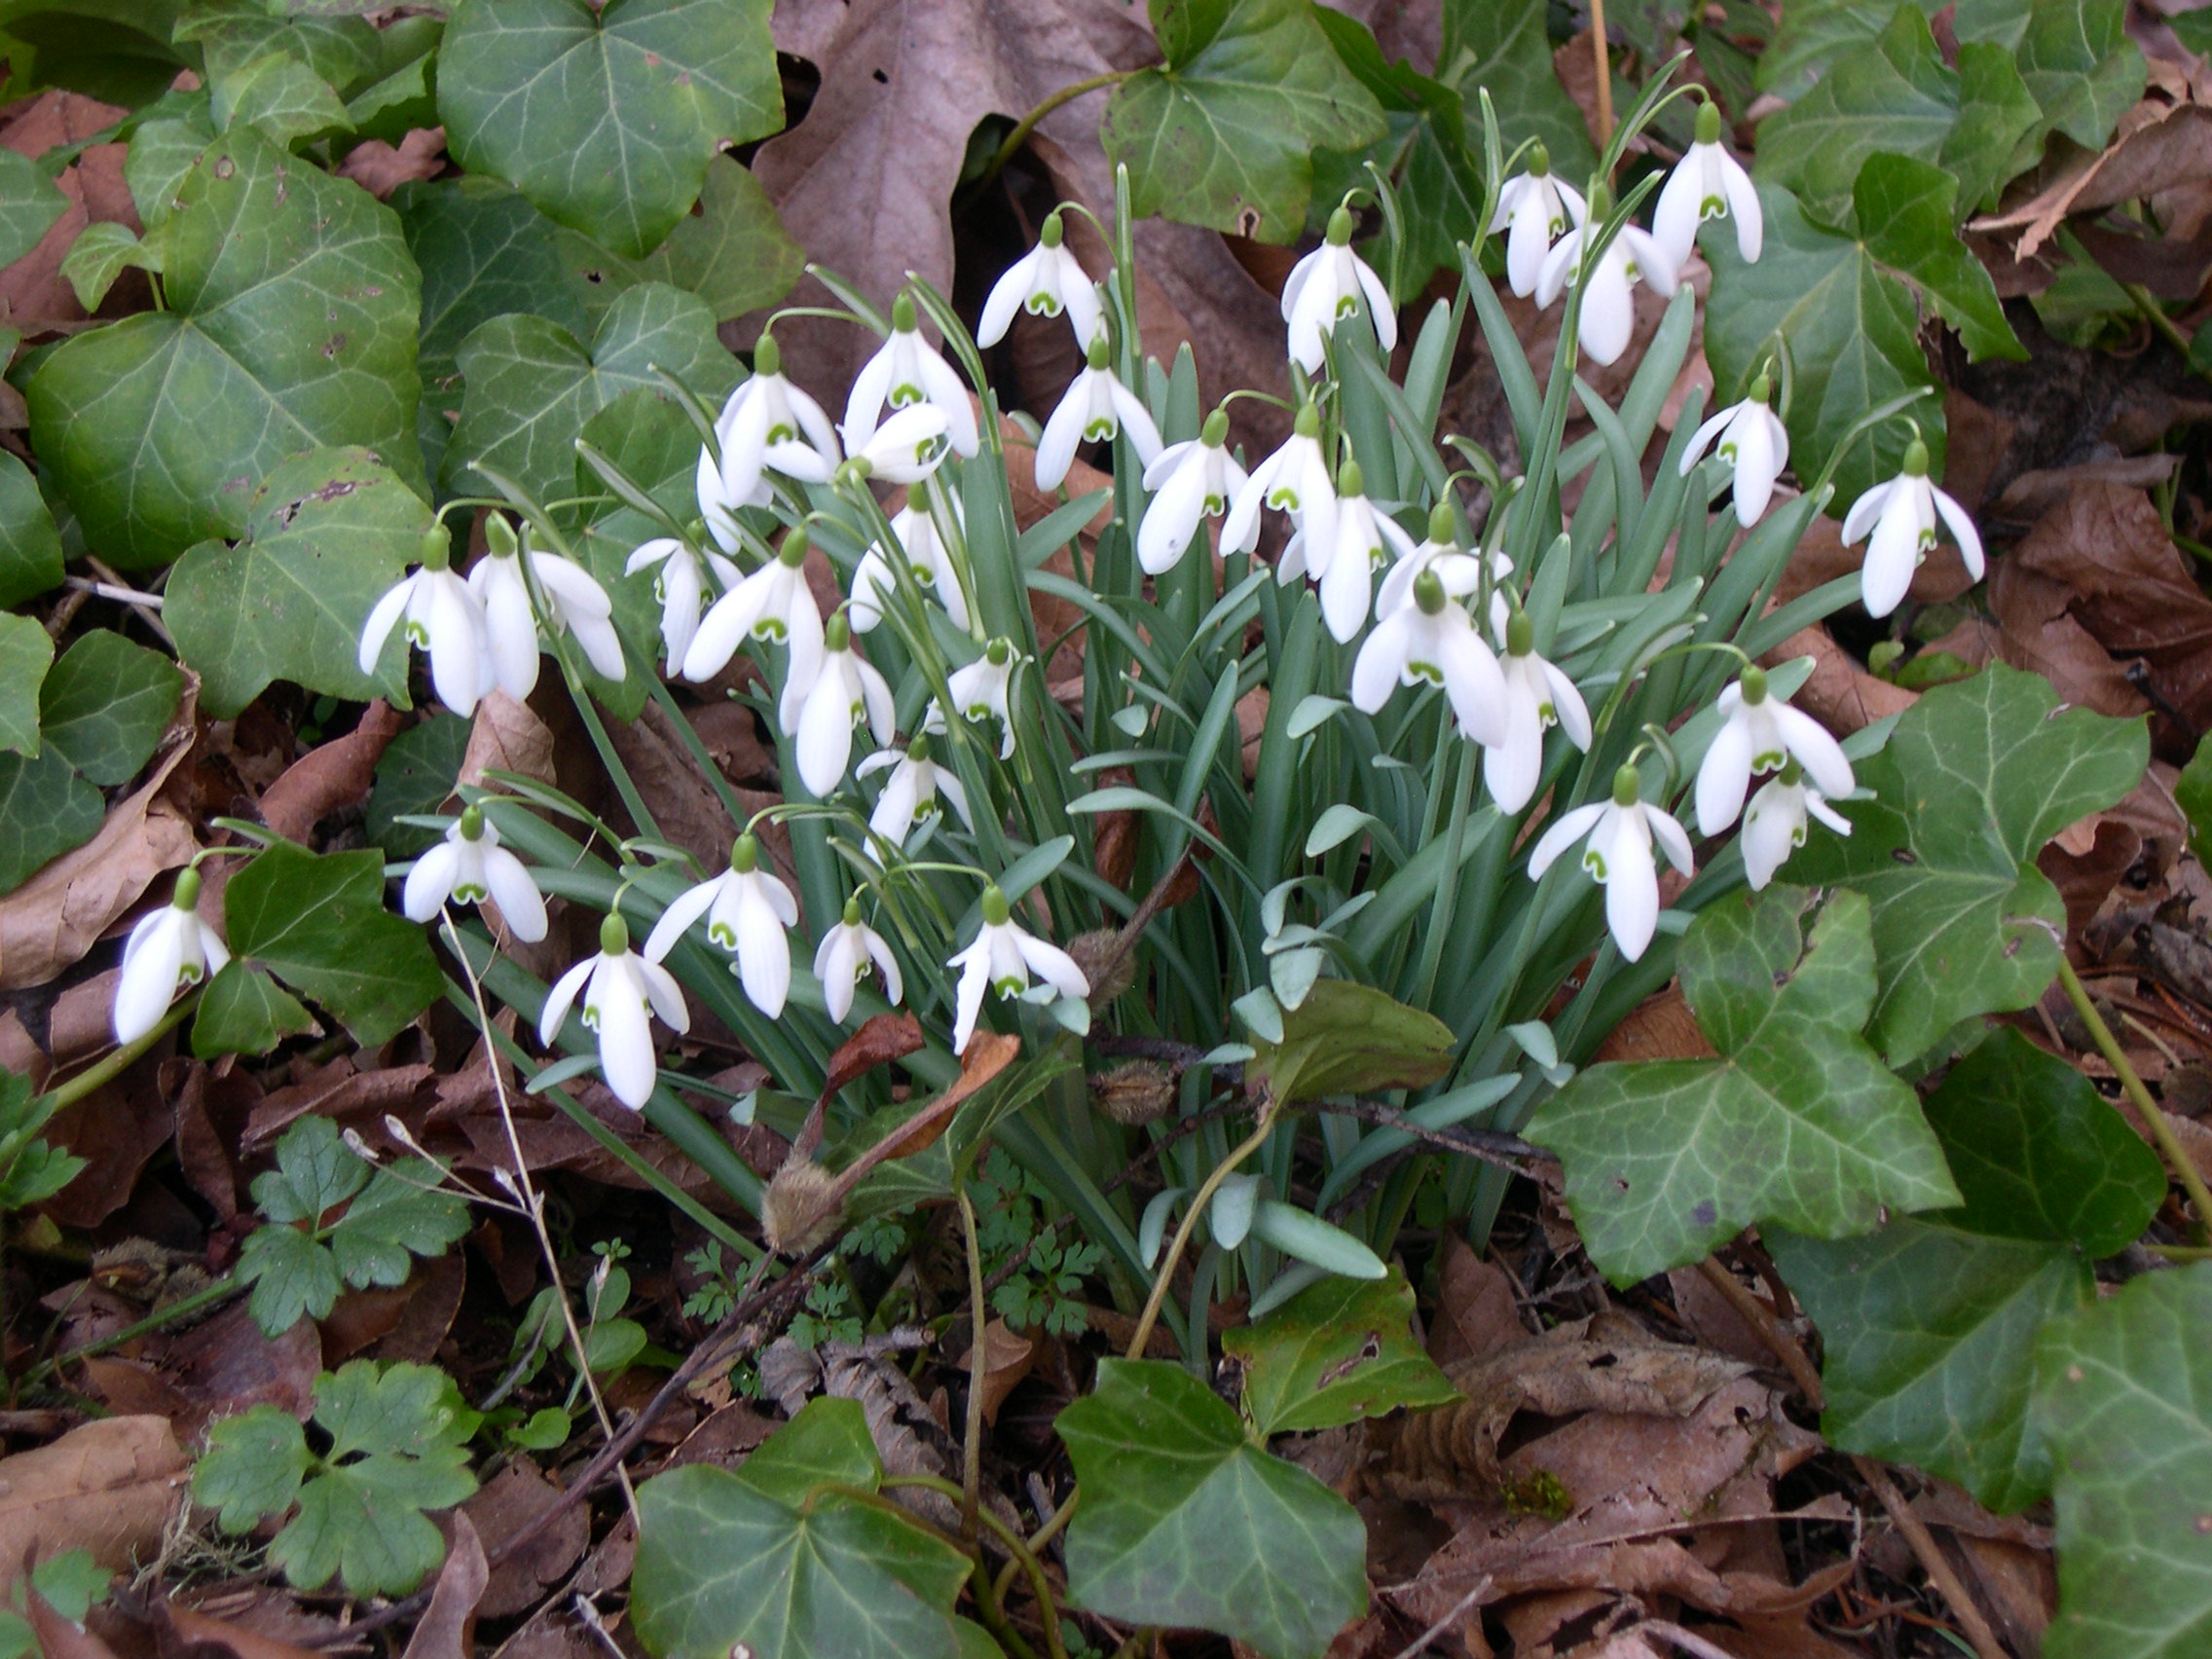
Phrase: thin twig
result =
(2161, 1130)
(1690, 1641)
(1604, 71)
(1760, 1317)
(1932, 1561)
(1420, 1644)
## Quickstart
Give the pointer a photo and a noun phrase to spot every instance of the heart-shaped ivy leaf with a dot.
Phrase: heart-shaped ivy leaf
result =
(1338, 1352)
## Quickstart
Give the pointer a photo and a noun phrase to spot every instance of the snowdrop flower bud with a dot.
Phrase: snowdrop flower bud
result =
(1189, 482)
(1775, 823)
(1617, 837)
(1096, 408)
(1328, 284)
(1045, 281)
(441, 616)
(1608, 307)
(774, 603)
(910, 794)
(846, 953)
(928, 556)
(1707, 183)
(1538, 696)
(768, 423)
(1902, 515)
(169, 950)
(1365, 541)
(904, 450)
(1755, 445)
(1432, 642)
(1760, 733)
(1002, 957)
(746, 910)
(622, 992)
(681, 588)
(822, 718)
(907, 370)
(979, 692)
(1294, 480)
(574, 602)
(1538, 205)
(469, 867)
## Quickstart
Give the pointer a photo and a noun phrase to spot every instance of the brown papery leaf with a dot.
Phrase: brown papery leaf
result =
(881, 1040)
(59, 1638)
(334, 774)
(108, 1487)
(181, 1627)
(2160, 148)
(1006, 1360)
(447, 1627)
(509, 1501)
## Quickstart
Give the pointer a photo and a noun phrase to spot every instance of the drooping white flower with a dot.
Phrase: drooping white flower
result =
(905, 371)
(169, 950)
(1095, 407)
(771, 423)
(717, 507)
(1002, 957)
(1607, 317)
(1295, 480)
(1617, 837)
(1754, 444)
(748, 910)
(621, 993)
(1045, 281)
(979, 692)
(1331, 284)
(1901, 514)
(1538, 205)
(1365, 541)
(1433, 641)
(1460, 571)
(774, 603)
(442, 618)
(1775, 823)
(846, 691)
(1189, 482)
(679, 584)
(469, 867)
(1538, 696)
(928, 556)
(906, 449)
(574, 602)
(1707, 183)
(910, 794)
(1760, 733)
(844, 958)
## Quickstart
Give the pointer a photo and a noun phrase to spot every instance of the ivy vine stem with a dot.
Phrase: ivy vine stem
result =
(1222, 1172)
(2160, 1127)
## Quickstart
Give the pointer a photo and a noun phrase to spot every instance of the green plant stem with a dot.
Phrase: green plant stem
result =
(2161, 1130)
(182, 1308)
(2155, 316)
(1024, 1556)
(1212, 1184)
(1028, 124)
(117, 1060)
(979, 1362)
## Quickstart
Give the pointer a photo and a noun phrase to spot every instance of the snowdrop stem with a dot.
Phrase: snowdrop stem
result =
(116, 1062)
(1446, 902)
(2131, 1085)
(1174, 1255)
(658, 690)
(1012, 145)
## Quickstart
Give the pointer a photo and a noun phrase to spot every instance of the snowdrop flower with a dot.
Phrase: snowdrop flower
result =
(1329, 283)
(1774, 823)
(907, 370)
(469, 867)
(1538, 697)
(768, 423)
(1902, 514)
(1364, 542)
(1095, 407)
(910, 794)
(1294, 480)
(1617, 837)
(1460, 571)
(442, 618)
(979, 692)
(1045, 281)
(746, 910)
(904, 450)
(774, 603)
(1752, 442)
(845, 692)
(681, 589)
(168, 950)
(1189, 482)
(1608, 309)
(717, 507)
(1538, 205)
(1760, 733)
(1707, 183)
(622, 992)
(1432, 642)
(875, 580)
(1002, 957)
(847, 952)
(574, 602)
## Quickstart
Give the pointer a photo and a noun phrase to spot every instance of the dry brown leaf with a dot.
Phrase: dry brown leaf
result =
(1839, 693)
(61, 1638)
(1476, 1310)
(1006, 1360)
(109, 1487)
(332, 775)
(506, 737)
(34, 296)
(1661, 1027)
(517, 1496)
(684, 802)
(2160, 148)
(184, 1628)
(2031, 494)
(449, 1622)
(437, 1288)
(379, 168)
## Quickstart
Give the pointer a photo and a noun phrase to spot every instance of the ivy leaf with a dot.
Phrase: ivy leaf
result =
(1903, 213)
(45, 808)
(281, 96)
(1335, 1354)
(290, 326)
(116, 51)
(29, 204)
(1894, 94)
(103, 252)
(244, 1011)
(401, 1214)
(760, 1557)
(324, 539)
(1978, 776)
(1797, 1122)
(30, 547)
(26, 653)
(2120, 1392)
(1996, 114)
(2076, 61)
(605, 116)
(1503, 47)
(1222, 134)
(252, 1468)
(1184, 1522)
(1351, 1039)
(105, 704)
(734, 253)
